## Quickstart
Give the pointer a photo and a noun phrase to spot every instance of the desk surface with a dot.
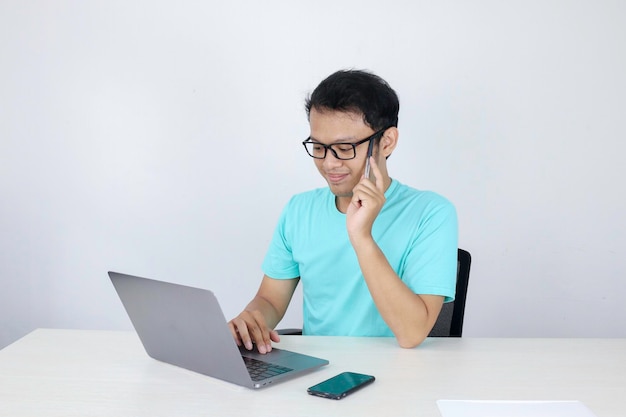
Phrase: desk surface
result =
(107, 373)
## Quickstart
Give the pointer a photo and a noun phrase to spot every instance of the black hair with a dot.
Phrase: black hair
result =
(360, 92)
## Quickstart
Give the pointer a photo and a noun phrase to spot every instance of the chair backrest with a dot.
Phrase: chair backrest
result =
(450, 320)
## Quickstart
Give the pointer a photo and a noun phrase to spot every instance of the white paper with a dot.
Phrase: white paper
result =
(468, 408)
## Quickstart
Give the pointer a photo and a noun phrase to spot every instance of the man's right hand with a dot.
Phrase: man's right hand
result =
(249, 328)
(255, 323)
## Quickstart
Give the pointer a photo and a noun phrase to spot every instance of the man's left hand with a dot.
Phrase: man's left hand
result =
(368, 199)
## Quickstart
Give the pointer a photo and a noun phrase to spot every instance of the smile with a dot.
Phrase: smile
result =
(336, 177)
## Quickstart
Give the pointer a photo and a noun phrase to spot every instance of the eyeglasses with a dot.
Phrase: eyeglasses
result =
(343, 151)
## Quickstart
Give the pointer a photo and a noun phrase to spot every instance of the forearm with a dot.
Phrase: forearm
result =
(272, 299)
(256, 322)
(405, 312)
(266, 309)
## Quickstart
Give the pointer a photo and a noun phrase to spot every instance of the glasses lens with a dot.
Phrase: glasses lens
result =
(339, 150)
(343, 150)
(315, 149)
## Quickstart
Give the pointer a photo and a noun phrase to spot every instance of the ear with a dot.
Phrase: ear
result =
(388, 142)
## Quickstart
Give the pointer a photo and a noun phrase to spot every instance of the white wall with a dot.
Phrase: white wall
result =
(161, 138)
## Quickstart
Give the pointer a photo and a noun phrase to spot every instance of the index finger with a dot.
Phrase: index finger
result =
(378, 177)
(239, 330)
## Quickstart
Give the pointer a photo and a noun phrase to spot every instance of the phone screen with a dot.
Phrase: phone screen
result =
(340, 385)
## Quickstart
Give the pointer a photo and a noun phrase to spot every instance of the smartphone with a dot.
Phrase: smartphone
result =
(340, 385)
(370, 149)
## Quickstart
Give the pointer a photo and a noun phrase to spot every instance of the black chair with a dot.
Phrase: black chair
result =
(450, 320)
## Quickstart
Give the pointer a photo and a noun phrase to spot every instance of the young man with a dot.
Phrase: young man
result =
(375, 257)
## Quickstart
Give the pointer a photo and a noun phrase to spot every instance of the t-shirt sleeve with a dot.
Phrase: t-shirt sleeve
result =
(279, 262)
(431, 264)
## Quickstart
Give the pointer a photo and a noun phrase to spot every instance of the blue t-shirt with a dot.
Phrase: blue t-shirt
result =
(416, 230)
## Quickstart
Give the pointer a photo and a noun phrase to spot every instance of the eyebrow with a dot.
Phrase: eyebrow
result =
(335, 142)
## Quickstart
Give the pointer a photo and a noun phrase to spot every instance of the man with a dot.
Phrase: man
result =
(375, 257)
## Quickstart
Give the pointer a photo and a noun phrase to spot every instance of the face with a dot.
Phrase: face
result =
(330, 127)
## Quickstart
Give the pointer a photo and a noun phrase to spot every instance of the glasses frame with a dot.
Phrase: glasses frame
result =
(353, 144)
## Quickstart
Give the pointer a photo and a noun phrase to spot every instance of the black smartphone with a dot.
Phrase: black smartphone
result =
(370, 149)
(340, 385)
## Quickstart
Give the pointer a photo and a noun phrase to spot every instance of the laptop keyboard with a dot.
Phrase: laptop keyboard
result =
(260, 370)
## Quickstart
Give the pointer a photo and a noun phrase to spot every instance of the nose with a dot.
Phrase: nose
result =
(331, 161)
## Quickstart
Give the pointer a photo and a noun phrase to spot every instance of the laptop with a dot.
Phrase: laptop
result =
(185, 326)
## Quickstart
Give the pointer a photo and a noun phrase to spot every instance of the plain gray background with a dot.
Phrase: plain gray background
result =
(162, 138)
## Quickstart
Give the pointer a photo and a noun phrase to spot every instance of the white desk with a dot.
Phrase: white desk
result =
(106, 373)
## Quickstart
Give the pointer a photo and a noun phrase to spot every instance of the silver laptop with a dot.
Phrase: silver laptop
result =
(185, 326)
